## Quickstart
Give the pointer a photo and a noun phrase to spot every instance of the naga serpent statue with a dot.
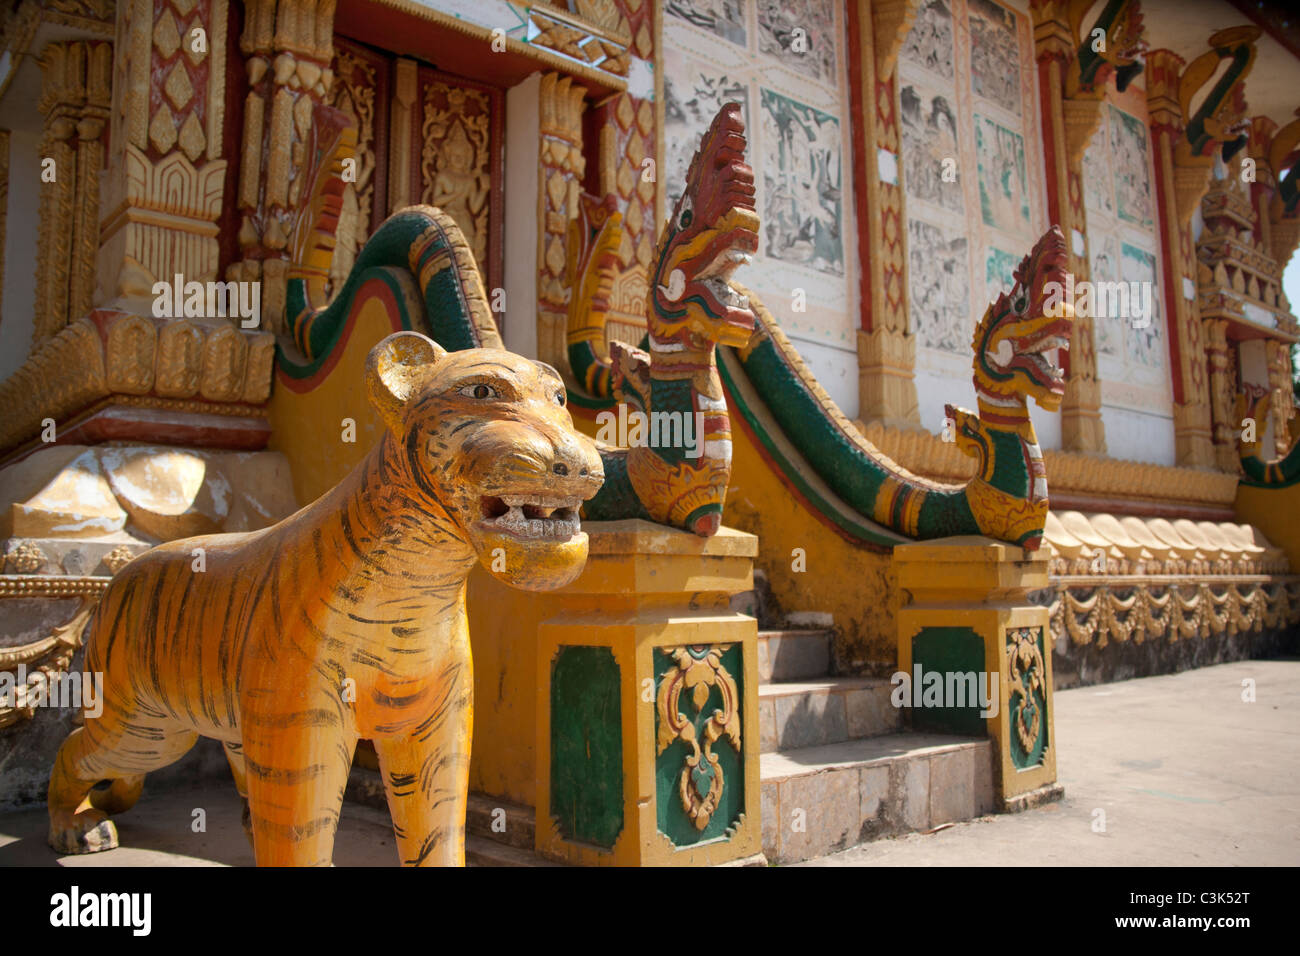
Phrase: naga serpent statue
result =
(1253, 403)
(696, 316)
(1013, 346)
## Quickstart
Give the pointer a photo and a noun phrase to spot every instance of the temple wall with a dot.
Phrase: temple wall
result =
(798, 126)
(1124, 246)
(973, 179)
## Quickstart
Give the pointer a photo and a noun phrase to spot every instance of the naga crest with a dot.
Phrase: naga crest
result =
(1015, 340)
(712, 231)
(1121, 52)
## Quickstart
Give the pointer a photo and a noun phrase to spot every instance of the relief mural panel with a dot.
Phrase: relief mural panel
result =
(1003, 176)
(802, 210)
(693, 94)
(939, 285)
(1133, 356)
(794, 101)
(999, 267)
(722, 18)
(929, 129)
(777, 22)
(1144, 346)
(1131, 157)
(993, 47)
(966, 106)
(929, 43)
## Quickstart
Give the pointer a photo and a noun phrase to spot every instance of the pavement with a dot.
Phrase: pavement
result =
(1163, 771)
(1175, 770)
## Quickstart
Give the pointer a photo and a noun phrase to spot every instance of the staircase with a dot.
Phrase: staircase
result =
(837, 767)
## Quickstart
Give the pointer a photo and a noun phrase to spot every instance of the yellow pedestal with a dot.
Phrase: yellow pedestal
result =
(626, 672)
(965, 608)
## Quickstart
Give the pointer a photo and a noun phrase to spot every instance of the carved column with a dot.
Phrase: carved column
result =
(401, 123)
(1280, 379)
(166, 171)
(561, 168)
(886, 346)
(1223, 387)
(1186, 143)
(75, 92)
(1068, 125)
(1192, 414)
(288, 47)
(1277, 203)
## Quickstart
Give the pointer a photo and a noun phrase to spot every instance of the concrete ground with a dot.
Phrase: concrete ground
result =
(1182, 770)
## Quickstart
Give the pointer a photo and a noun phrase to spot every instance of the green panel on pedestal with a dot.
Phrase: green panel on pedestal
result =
(728, 681)
(586, 745)
(949, 650)
(1026, 700)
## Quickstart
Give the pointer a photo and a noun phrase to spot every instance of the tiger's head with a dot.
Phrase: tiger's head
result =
(483, 435)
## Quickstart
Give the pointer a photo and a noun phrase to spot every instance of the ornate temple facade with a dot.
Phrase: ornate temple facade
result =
(166, 168)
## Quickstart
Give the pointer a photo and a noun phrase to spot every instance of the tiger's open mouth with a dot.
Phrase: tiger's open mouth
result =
(531, 517)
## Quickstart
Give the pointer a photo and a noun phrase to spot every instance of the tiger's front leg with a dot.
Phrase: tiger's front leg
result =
(297, 753)
(426, 777)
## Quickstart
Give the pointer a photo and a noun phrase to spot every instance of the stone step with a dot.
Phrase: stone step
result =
(480, 851)
(811, 713)
(819, 800)
(793, 655)
(366, 787)
(502, 822)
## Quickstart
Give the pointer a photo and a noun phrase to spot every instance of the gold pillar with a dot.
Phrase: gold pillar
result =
(166, 173)
(288, 47)
(75, 92)
(561, 167)
(886, 346)
(1070, 116)
(1192, 414)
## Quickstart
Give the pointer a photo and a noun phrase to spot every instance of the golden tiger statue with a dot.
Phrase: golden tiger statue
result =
(344, 621)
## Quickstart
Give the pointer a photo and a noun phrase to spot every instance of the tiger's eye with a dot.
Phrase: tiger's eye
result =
(482, 391)
(559, 397)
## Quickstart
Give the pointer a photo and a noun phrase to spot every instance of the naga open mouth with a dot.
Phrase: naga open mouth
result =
(531, 517)
(1041, 354)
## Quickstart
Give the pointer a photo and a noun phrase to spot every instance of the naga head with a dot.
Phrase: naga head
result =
(1121, 52)
(484, 446)
(713, 230)
(1015, 340)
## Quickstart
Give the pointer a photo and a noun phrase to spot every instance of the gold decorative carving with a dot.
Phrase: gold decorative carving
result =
(1172, 609)
(288, 48)
(892, 20)
(697, 673)
(354, 95)
(117, 559)
(166, 174)
(44, 661)
(26, 558)
(136, 358)
(561, 166)
(886, 390)
(455, 159)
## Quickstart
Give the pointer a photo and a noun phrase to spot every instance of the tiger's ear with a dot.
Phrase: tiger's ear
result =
(394, 370)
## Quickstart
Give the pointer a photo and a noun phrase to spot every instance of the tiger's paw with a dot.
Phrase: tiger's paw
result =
(89, 831)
